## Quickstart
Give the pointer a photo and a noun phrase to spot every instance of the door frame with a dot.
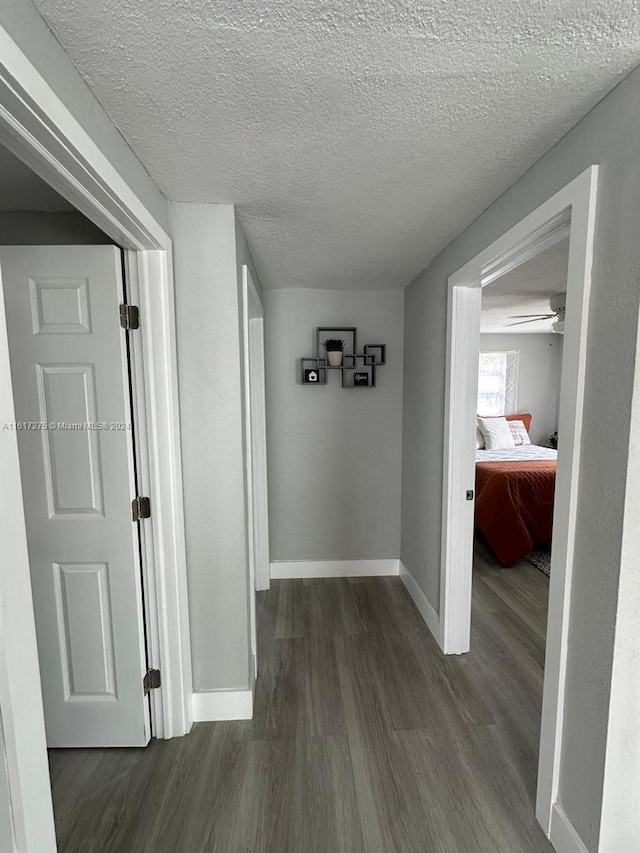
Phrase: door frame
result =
(570, 211)
(255, 436)
(22, 720)
(259, 439)
(39, 129)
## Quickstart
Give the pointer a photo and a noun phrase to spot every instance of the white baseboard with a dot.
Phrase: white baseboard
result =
(210, 706)
(288, 569)
(421, 601)
(563, 836)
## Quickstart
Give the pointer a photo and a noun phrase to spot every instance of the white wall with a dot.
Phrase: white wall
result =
(208, 336)
(22, 21)
(36, 228)
(334, 454)
(608, 136)
(539, 365)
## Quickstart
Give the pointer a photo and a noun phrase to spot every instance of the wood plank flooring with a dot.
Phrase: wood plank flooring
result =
(365, 738)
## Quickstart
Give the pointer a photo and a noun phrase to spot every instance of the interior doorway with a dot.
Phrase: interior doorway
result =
(517, 447)
(37, 128)
(572, 208)
(519, 392)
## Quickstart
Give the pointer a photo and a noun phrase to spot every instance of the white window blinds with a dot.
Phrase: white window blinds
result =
(498, 383)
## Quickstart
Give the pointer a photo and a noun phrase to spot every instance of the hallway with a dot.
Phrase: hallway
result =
(365, 738)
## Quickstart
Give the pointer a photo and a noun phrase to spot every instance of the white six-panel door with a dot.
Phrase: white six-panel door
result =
(70, 384)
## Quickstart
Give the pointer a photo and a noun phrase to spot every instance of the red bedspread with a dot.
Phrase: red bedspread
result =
(514, 506)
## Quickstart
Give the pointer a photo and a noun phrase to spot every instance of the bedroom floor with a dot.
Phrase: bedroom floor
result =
(365, 737)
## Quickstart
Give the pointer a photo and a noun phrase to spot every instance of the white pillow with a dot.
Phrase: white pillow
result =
(496, 433)
(479, 439)
(519, 433)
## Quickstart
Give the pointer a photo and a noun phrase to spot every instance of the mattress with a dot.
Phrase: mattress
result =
(516, 454)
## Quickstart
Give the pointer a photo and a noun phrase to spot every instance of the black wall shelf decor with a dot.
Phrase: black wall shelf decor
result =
(358, 369)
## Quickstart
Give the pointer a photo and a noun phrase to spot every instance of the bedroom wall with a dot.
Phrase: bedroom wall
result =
(209, 373)
(608, 136)
(334, 454)
(539, 365)
(36, 228)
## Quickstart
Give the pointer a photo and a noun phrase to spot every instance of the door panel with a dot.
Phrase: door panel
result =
(72, 472)
(70, 384)
(85, 626)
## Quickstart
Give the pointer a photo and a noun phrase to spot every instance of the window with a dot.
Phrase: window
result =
(498, 383)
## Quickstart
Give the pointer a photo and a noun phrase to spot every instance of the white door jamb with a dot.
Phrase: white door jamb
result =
(259, 412)
(574, 204)
(248, 455)
(163, 548)
(255, 445)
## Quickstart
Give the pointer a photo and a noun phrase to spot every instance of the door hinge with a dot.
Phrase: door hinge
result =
(469, 494)
(151, 680)
(140, 508)
(129, 317)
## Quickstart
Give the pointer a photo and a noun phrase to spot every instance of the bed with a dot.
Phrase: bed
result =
(514, 499)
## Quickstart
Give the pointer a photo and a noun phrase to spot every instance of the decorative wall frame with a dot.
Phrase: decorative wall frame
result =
(358, 369)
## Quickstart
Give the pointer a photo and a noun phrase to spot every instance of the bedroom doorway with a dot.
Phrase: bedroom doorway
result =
(520, 364)
(570, 212)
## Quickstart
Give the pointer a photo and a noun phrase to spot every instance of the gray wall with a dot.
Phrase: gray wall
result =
(608, 135)
(7, 841)
(620, 828)
(208, 334)
(35, 228)
(22, 21)
(539, 365)
(334, 454)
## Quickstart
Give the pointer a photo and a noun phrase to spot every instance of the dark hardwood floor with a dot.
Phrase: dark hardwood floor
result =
(365, 737)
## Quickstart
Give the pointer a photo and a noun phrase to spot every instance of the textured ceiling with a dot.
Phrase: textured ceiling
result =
(356, 138)
(526, 290)
(22, 189)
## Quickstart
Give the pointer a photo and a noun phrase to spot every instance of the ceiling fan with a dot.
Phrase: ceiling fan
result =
(557, 303)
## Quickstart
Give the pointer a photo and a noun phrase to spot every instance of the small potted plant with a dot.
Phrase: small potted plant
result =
(334, 348)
